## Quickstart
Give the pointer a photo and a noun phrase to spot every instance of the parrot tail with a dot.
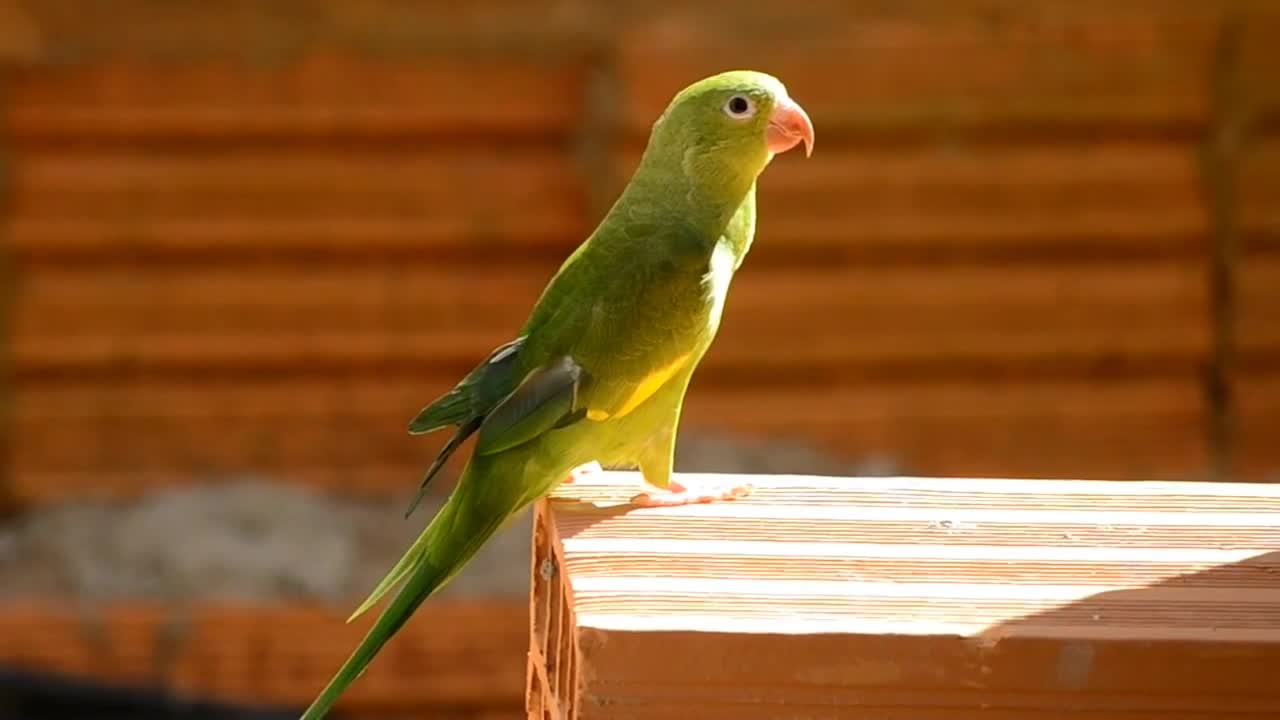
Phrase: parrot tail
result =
(470, 517)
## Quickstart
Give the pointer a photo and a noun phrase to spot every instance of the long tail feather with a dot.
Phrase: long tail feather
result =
(443, 548)
(464, 431)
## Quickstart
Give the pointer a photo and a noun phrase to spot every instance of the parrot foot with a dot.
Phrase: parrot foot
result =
(582, 471)
(677, 494)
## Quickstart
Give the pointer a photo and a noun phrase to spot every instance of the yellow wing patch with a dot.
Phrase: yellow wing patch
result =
(644, 389)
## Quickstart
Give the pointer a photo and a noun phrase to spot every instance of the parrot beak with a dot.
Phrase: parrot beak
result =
(788, 125)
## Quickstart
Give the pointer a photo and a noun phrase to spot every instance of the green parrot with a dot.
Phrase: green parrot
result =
(599, 371)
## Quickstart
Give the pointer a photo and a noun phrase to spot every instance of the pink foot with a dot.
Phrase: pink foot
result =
(677, 494)
(583, 471)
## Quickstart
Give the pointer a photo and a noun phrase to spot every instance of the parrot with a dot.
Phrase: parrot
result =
(597, 375)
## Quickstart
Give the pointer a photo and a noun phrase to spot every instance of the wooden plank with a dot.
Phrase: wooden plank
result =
(1258, 306)
(1078, 197)
(475, 650)
(1258, 186)
(1086, 197)
(975, 314)
(246, 298)
(1143, 428)
(254, 34)
(131, 187)
(1074, 315)
(35, 487)
(322, 95)
(20, 37)
(1255, 387)
(338, 448)
(1257, 64)
(364, 397)
(1256, 393)
(1083, 197)
(887, 68)
(117, 439)
(293, 202)
(512, 234)
(86, 438)
(825, 614)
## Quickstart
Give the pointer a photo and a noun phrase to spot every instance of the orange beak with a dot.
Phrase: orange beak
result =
(789, 125)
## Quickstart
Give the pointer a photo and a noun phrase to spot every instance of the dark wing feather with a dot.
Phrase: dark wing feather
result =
(545, 400)
(466, 406)
(482, 389)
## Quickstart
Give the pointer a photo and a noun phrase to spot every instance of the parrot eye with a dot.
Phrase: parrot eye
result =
(739, 107)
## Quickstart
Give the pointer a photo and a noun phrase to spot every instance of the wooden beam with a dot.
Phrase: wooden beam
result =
(908, 598)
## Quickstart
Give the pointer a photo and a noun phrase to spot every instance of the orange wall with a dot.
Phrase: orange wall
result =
(1035, 239)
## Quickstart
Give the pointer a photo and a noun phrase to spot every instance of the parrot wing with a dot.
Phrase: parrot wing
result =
(547, 398)
(475, 395)
(466, 406)
(544, 401)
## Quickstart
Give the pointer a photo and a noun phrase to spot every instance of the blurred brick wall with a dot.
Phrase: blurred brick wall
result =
(1036, 238)
(461, 662)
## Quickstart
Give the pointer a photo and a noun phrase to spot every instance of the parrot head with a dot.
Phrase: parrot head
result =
(722, 131)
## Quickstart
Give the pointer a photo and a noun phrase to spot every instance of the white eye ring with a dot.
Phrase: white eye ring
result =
(739, 107)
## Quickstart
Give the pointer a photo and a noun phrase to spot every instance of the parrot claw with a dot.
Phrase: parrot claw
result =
(582, 471)
(677, 494)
